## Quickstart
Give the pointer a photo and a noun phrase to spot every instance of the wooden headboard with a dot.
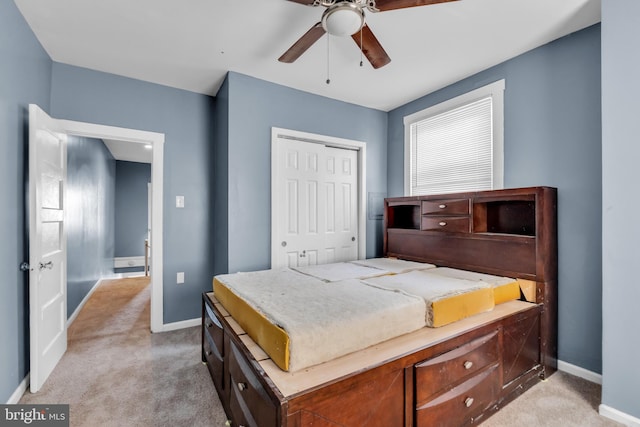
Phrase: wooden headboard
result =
(507, 232)
(511, 232)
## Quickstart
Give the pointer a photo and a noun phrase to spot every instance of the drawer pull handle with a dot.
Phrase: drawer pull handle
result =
(242, 386)
(468, 402)
(208, 352)
(442, 223)
(442, 206)
(468, 364)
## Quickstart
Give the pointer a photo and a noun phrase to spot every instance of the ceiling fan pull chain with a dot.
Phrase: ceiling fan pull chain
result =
(361, 45)
(328, 42)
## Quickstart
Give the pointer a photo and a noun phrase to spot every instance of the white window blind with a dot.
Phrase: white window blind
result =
(456, 146)
(453, 151)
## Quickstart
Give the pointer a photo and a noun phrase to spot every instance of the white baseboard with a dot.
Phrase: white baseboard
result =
(15, 397)
(82, 303)
(619, 416)
(579, 372)
(128, 261)
(181, 325)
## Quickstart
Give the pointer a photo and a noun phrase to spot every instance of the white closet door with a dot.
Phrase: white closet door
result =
(341, 204)
(315, 195)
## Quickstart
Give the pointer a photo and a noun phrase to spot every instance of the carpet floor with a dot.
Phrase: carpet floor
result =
(116, 373)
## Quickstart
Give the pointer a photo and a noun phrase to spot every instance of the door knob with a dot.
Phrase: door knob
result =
(48, 265)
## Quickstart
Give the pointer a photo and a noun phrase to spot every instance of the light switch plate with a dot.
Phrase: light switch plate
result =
(179, 201)
(180, 277)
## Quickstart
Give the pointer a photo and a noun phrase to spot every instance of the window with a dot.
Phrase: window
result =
(456, 145)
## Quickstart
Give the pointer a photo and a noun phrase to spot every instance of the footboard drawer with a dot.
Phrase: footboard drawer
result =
(249, 402)
(463, 403)
(438, 373)
(214, 328)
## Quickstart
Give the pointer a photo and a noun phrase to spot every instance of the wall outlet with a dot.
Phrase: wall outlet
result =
(180, 277)
(179, 201)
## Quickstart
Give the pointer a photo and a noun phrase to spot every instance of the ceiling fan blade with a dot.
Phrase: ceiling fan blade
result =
(307, 2)
(371, 47)
(383, 5)
(303, 43)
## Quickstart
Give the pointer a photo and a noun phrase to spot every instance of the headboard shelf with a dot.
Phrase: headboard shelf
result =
(501, 231)
(404, 216)
(515, 217)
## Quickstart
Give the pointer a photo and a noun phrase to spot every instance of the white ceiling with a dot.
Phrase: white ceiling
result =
(191, 44)
(129, 151)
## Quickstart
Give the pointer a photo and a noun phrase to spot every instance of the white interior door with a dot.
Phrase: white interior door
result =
(47, 245)
(315, 206)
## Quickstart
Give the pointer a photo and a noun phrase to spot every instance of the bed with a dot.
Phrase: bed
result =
(451, 372)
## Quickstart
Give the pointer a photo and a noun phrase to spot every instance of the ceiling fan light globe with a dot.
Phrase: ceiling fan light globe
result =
(343, 20)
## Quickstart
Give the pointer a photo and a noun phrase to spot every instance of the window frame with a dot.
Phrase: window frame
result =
(494, 90)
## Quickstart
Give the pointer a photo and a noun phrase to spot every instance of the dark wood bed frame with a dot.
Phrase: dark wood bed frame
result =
(453, 381)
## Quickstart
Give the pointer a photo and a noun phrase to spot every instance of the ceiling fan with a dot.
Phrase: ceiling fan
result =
(346, 18)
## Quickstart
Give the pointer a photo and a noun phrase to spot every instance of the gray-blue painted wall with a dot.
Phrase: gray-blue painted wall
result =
(254, 107)
(621, 229)
(552, 136)
(25, 77)
(89, 216)
(220, 183)
(186, 120)
(131, 208)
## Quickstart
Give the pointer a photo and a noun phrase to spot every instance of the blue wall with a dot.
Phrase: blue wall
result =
(25, 77)
(186, 120)
(89, 216)
(621, 229)
(552, 136)
(220, 183)
(254, 107)
(131, 208)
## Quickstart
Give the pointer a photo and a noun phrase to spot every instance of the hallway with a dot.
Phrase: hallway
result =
(116, 373)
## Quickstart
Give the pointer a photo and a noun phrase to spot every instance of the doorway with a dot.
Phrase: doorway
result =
(47, 231)
(156, 140)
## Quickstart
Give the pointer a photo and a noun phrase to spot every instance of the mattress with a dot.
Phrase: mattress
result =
(504, 288)
(447, 299)
(338, 271)
(301, 321)
(361, 269)
(394, 265)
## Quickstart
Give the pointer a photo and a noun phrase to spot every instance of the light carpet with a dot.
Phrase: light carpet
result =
(116, 373)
